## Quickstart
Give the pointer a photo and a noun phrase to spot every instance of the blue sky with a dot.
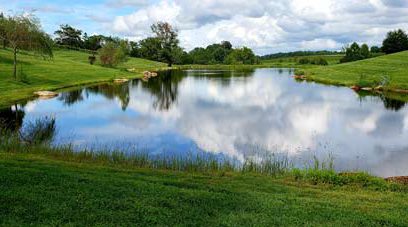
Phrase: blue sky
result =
(264, 25)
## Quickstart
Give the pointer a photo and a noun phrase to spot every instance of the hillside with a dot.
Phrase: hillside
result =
(67, 68)
(369, 72)
(293, 61)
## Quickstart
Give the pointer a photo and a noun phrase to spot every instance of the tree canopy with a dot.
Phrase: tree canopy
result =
(69, 36)
(167, 36)
(396, 41)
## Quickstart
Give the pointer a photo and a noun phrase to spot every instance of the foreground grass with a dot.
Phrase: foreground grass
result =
(369, 72)
(40, 190)
(68, 68)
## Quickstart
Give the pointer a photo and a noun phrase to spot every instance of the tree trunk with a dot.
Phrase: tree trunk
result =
(15, 63)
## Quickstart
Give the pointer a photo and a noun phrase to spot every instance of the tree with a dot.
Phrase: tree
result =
(168, 38)
(226, 45)
(93, 42)
(365, 51)
(375, 49)
(24, 33)
(241, 56)
(396, 41)
(353, 53)
(150, 48)
(112, 54)
(2, 29)
(69, 36)
(134, 49)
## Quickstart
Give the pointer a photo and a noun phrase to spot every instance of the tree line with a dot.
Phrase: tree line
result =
(299, 54)
(162, 46)
(22, 32)
(395, 41)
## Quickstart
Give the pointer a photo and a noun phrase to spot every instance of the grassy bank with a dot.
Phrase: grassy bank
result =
(68, 68)
(44, 185)
(372, 72)
(38, 189)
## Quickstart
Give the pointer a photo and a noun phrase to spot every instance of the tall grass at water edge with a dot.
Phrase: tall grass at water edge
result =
(315, 172)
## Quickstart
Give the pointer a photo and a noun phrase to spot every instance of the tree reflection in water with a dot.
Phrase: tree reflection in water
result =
(389, 102)
(11, 118)
(71, 97)
(165, 87)
(112, 91)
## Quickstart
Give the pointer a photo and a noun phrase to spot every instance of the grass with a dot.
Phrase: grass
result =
(292, 62)
(40, 190)
(68, 68)
(46, 185)
(370, 72)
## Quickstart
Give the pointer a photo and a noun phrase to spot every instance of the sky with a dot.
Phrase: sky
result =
(266, 26)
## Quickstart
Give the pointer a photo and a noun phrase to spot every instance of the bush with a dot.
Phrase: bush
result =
(112, 54)
(91, 60)
(319, 61)
(304, 61)
(313, 61)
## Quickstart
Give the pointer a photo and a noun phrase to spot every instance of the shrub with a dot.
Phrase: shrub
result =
(319, 61)
(112, 54)
(304, 61)
(91, 60)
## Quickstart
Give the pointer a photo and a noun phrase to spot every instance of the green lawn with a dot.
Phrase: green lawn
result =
(369, 72)
(68, 68)
(39, 190)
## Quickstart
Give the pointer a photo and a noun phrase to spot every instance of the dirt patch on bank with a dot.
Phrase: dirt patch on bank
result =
(401, 179)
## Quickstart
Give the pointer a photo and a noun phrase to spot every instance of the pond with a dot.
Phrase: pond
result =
(232, 114)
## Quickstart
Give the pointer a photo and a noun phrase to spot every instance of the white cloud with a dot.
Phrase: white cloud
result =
(271, 26)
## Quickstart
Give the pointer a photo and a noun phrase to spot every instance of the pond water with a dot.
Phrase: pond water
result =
(231, 113)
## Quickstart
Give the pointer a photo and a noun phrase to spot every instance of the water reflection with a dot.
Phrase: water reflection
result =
(233, 113)
(12, 118)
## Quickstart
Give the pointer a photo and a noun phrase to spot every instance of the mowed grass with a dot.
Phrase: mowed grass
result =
(67, 68)
(369, 71)
(39, 190)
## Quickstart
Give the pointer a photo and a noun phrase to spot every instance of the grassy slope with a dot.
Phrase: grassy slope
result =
(37, 190)
(68, 68)
(395, 66)
(293, 61)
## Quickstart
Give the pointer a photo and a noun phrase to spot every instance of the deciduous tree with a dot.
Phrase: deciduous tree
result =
(24, 33)
(396, 41)
(168, 37)
(69, 36)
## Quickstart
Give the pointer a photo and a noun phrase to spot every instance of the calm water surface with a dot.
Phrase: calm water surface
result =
(232, 114)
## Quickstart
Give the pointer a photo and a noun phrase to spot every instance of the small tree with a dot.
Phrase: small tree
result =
(24, 33)
(353, 53)
(396, 41)
(365, 51)
(168, 38)
(112, 54)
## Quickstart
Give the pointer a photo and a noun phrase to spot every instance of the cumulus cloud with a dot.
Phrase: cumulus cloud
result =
(264, 25)
(271, 26)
